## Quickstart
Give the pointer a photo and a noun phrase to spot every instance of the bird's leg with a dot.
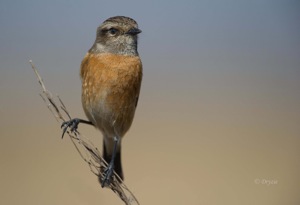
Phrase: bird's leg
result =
(110, 169)
(73, 125)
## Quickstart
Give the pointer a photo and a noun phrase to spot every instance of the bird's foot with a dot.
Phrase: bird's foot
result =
(107, 176)
(72, 124)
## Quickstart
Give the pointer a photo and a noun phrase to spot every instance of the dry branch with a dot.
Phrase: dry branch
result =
(86, 149)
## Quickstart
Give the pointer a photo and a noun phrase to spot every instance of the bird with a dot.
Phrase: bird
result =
(111, 74)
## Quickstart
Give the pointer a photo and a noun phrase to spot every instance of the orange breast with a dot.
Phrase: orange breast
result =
(110, 89)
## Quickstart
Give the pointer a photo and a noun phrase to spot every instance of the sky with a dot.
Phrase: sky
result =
(218, 114)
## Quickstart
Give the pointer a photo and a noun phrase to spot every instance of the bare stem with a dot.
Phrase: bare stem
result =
(86, 149)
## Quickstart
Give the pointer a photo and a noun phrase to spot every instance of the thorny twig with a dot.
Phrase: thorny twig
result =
(86, 149)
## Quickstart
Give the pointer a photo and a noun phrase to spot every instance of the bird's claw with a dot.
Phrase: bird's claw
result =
(107, 175)
(72, 124)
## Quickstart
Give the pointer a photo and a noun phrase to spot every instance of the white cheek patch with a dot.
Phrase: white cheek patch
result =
(100, 47)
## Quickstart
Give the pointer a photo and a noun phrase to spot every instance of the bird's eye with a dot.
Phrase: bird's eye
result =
(112, 31)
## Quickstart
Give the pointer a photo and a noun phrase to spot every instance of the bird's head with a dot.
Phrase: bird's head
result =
(117, 35)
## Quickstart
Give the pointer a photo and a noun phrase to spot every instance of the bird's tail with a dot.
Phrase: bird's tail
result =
(117, 164)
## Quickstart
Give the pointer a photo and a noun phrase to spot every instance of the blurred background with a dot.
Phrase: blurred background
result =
(218, 116)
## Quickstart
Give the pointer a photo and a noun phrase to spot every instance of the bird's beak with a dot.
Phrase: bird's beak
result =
(134, 31)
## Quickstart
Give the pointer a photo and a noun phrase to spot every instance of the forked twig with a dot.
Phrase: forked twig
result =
(86, 149)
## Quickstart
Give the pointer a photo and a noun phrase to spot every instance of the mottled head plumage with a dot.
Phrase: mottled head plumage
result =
(117, 35)
(121, 20)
